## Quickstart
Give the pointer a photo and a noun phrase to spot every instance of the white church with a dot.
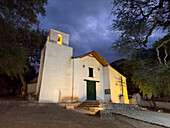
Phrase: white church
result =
(64, 78)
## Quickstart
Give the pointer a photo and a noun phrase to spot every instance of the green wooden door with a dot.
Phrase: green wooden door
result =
(91, 90)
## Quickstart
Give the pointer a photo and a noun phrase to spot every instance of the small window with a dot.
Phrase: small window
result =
(107, 91)
(90, 72)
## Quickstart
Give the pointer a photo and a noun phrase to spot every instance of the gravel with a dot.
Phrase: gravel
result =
(134, 112)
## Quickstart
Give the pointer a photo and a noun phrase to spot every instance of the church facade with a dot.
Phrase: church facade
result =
(64, 78)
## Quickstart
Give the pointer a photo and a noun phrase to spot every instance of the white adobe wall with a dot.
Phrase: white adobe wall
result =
(40, 71)
(106, 80)
(80, 73)
(116, 90)
(56, 78)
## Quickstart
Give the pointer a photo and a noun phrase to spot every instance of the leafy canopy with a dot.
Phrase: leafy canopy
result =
(20, 37)
(137, 20)
(22, 13)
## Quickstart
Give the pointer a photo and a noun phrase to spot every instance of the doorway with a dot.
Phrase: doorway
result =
(91, 90)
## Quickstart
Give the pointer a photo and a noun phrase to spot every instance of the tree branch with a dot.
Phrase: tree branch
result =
(150, 32)
(157, 49)
(141, 11)
(166, 55)
(165, 24)
(154, 8)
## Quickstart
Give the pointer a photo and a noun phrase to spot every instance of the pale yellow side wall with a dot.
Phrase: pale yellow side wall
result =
(115, 86)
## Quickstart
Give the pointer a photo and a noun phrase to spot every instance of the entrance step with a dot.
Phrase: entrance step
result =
(90, 105)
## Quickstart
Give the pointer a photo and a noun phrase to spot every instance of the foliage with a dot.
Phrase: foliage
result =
(12, 59)
(22, 13)
(138, 20)
(147, 73)
(18, 34)
(152, 80)
(20, 38)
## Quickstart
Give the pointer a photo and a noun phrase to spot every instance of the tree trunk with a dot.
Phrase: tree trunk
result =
(24, 85)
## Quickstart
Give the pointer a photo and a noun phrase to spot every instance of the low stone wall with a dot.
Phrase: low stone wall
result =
(136, 99)
(163, 105)
(31, 88)
(110, 106)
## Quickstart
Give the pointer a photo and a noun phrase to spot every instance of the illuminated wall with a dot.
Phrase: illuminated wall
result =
(81, 73)
(106, 82)
(115, 86)
(61, 76)
(56, 82)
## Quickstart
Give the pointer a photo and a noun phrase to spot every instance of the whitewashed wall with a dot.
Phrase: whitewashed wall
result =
(60, 76)
(106, 81)
(40, 72)
(81, 73)
(57, 76)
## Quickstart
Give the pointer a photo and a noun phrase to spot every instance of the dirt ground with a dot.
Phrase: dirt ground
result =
(27, 115)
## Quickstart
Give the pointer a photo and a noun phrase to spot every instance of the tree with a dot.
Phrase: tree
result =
(138, 20)
(18, 33)
(144, 71)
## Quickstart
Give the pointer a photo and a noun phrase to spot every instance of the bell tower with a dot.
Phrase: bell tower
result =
(58, 37)
(55, 72)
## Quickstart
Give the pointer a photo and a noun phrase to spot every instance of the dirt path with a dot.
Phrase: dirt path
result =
(18, 115)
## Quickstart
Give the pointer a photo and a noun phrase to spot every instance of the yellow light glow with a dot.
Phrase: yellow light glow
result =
(59, 39)
(48, 38)
(126, 100)
(101, 108)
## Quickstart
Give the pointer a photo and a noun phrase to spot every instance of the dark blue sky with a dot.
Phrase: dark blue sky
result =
(86, 21)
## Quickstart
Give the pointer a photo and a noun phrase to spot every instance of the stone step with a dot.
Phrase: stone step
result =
(90, 104)
(95, 109)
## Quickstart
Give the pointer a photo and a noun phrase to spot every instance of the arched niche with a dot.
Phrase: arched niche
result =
(59, 39)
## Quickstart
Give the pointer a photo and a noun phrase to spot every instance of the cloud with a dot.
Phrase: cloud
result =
(87, 23)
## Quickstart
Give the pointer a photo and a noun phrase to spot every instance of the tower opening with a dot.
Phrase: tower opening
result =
(48, 38)
(59, 39)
